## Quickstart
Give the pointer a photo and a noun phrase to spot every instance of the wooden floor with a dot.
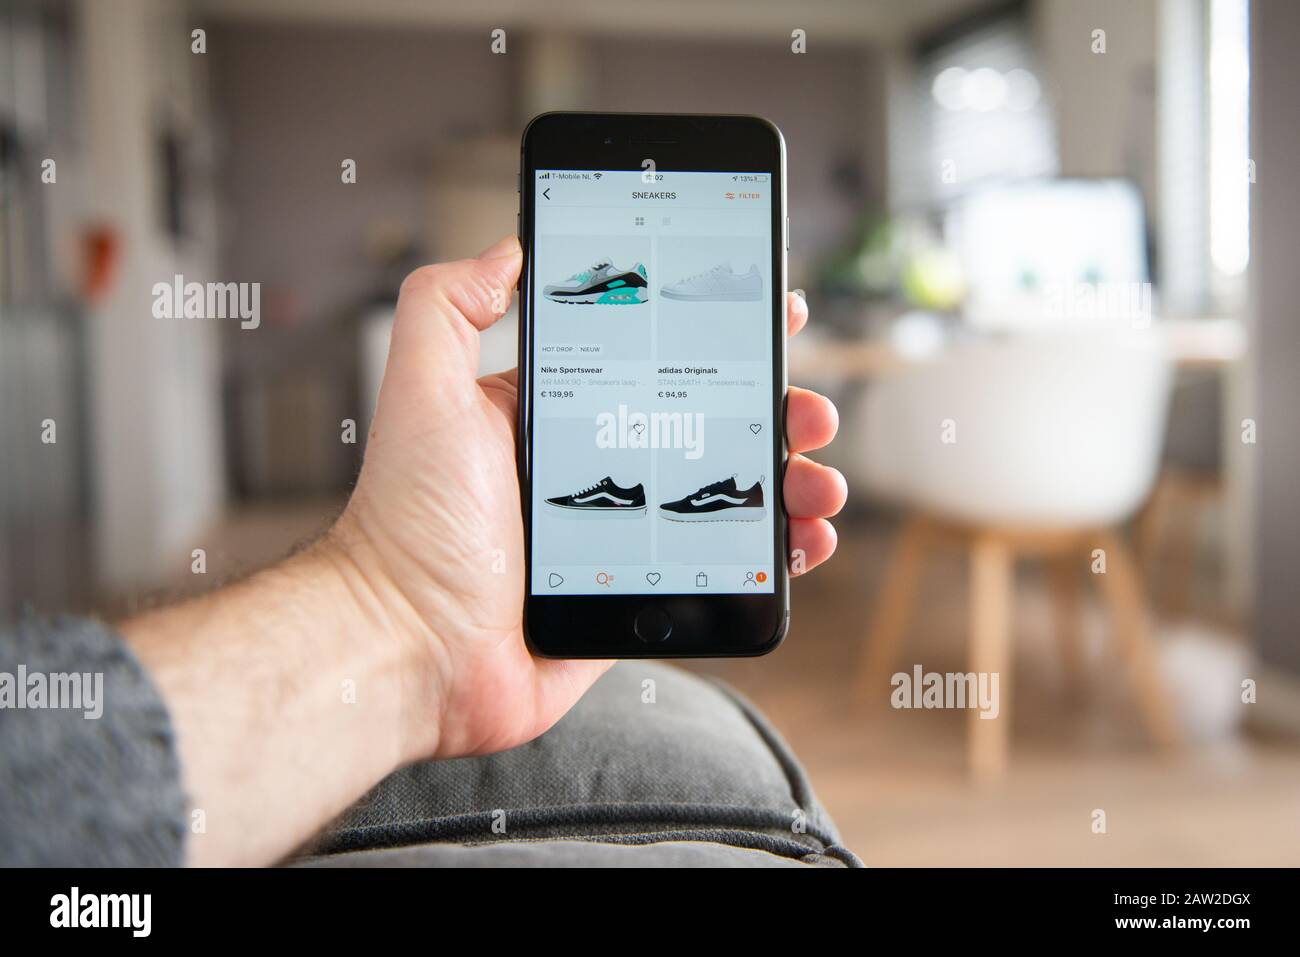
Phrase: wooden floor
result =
(894, 780)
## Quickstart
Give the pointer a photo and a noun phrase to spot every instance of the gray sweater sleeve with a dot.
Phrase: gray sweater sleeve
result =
(81, 789)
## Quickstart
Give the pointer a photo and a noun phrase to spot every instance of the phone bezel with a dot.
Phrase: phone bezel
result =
(711, 625)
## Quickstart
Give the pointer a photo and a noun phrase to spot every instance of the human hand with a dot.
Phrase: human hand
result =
(434, 528)
(397, 637)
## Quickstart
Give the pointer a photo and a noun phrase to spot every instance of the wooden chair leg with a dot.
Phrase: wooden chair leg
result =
(1146, 531)
(893, 608)
(1122, 588)
(1180, 561)
(1063, 581)
(990, 652)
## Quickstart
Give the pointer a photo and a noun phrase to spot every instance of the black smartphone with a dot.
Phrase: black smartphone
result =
(652, 385)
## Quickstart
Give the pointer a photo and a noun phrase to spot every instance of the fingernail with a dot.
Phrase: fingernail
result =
(504, 248)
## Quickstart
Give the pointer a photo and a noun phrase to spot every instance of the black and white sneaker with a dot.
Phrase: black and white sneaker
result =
(604, 284)
(604, 499)
(719, 502)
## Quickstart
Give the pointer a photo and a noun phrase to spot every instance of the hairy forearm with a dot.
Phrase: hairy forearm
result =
(291, 695)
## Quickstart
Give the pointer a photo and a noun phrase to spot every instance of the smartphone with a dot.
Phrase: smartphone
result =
(652, 385)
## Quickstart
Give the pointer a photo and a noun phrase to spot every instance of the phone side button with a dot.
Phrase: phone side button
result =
(652, 624)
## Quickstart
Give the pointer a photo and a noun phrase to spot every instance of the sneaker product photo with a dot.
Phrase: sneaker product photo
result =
(605, 499)
(720, 502)
(718, 284)
(603, 284)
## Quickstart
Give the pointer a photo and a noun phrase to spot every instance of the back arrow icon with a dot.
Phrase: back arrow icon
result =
(547, 192)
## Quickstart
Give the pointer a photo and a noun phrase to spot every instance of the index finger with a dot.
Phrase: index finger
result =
(796, 313)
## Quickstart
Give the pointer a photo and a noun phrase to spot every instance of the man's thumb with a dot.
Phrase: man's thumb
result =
(499, 264)
(442, 307)
(480, 289)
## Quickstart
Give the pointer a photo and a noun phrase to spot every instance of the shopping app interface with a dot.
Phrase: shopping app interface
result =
(652, 383)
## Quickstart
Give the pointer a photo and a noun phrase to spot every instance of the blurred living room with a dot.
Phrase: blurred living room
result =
(991, 202)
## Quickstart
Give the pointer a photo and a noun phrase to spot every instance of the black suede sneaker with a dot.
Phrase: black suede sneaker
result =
(604, 499)
(719, 502)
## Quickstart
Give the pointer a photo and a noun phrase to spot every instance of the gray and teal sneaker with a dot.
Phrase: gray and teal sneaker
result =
(604, 285)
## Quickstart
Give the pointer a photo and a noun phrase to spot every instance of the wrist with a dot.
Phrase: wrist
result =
(402, 648)
(291, 694)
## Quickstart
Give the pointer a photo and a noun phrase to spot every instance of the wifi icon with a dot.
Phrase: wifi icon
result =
(598, 175)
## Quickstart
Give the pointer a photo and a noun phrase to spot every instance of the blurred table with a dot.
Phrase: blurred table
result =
(1194, 343)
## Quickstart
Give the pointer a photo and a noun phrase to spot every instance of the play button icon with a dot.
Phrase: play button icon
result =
(555, 579)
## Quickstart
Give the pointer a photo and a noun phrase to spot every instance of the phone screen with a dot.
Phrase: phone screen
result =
(652, 394)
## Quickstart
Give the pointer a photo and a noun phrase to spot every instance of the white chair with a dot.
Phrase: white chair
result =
(1038, 444)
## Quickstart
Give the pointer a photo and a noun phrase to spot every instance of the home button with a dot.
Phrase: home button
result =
(652, 624)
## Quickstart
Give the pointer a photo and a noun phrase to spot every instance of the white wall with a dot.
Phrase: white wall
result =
(1104, 102)
(1275, 237)
(154, 386)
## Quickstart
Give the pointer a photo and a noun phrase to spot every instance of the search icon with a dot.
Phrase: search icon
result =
(602, 578)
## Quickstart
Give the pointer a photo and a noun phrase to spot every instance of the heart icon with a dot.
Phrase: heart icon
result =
(652, 578)
(638, 427)
(755, 427)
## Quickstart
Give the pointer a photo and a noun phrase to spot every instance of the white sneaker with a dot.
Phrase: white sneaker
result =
(718, 284)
